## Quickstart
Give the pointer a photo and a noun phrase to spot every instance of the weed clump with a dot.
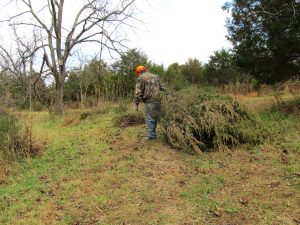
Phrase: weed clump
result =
(130, 118)
(288, 107)
(203, 119)
(95, 112)
(15, 141)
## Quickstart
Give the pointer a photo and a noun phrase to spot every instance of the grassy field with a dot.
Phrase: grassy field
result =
(92, 172)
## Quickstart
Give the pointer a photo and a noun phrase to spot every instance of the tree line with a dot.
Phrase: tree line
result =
(97, 80)
(266, 49)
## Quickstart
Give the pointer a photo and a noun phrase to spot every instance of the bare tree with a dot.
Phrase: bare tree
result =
(84, 79)
(96, 21)
(19, 64)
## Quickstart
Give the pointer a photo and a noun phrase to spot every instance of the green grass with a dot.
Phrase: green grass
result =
(92, 172)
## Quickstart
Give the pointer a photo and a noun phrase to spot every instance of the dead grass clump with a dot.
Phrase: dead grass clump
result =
(288, 107)
(265, 90)
(292, 87)
(130, 118)
(2, 170)
(70, 121)
(94, 112)
(15, 140)
(238, 88)
(209, 120)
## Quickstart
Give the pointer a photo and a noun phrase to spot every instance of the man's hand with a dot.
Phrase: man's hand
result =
(135, 107)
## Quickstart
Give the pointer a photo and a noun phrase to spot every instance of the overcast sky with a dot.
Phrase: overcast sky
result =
(172, 30)
(176, 30)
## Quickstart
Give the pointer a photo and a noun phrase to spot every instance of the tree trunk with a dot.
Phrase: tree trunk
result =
(81, 97)
(30, 83)
(30, 93)
(59, 100)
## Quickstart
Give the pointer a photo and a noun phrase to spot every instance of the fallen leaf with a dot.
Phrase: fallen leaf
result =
(217, 212)
(244, 201)
(297, 220)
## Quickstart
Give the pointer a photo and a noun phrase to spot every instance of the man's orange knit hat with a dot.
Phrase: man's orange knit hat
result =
(139, 69)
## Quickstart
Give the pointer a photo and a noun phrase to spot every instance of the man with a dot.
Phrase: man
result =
(149, 89)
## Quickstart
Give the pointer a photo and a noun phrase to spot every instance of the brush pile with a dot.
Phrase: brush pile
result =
(129, 118)
(202, 120)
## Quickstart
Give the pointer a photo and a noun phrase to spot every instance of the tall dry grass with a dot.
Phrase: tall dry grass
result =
(15, 141)
(238, 88)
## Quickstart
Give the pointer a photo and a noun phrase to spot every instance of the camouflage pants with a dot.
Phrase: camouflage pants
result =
(153, 112)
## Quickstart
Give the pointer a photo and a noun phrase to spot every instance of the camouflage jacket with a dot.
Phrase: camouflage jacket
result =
(149, 88)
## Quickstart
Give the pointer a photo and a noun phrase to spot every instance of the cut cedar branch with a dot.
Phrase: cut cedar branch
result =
(209, 121)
